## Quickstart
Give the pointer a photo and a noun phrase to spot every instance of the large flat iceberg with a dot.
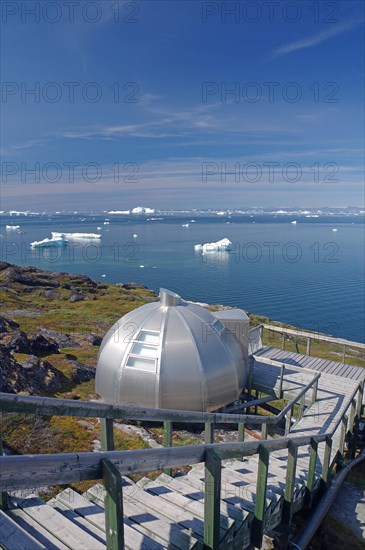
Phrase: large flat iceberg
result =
(58, 241)
(75, 236)
(143, 210)
(222, 245)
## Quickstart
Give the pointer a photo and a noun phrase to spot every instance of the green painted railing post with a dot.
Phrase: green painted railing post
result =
(290, 482)
(283, 341)
(241, 432)
(311, 473)
(344, 354)
(326, 462)
(106, 434)
(288, 421)
(209, 432)
(3, 495)
(260, 505)
(113, 504)
(167, 440)
(212, 499)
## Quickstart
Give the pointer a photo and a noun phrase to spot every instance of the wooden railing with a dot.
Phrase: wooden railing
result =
(309, 337)
(27, 471)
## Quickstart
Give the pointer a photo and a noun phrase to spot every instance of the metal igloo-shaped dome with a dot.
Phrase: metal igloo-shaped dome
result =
(171, 354)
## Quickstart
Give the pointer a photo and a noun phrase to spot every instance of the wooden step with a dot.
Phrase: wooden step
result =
(94, 514)
(36, 530)
(14, 537)
(178, 529)
(195, 507)
(60, 527)
(182, 485)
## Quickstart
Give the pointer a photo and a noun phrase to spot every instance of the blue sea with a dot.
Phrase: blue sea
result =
(304, 274)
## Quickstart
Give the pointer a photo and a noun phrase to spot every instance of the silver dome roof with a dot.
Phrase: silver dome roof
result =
(171, 354)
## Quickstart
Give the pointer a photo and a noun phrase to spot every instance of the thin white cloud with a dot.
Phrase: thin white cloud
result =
(316, 39)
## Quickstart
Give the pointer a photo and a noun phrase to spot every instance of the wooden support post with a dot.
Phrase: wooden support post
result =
(212, 500)
(301, 406)
(283, 341)
(251, 361)
(344, 354)
(326, 462)
(264, 431)
(311, 473)
(309, 341)
(282, 369)
(288, 421)
(113, 504)
(290, 482)
(257, 396)
(167, 440)
(314, 392)
(260, 505)
(359, 400)
(209, 432)
(241, 432)
(343, 431)
(106, 434)
(350, 426)
(3, 495)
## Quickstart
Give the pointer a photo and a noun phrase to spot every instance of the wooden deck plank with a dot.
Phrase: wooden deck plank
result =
(13, 537)
(34, 529)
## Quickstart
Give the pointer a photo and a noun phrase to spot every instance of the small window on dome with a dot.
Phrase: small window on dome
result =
(143, 354)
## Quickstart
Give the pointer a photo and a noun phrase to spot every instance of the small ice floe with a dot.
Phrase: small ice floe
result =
(135, 235)
(106, 223)
(334, 229)
(141, 266)
(98, 228)
(12, 227)
(103, 275)
(185, 225)
(224, 244)
(59, 241)
(294, 222)
(192, 221)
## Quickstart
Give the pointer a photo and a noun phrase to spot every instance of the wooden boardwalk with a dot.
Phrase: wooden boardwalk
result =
(168, 512)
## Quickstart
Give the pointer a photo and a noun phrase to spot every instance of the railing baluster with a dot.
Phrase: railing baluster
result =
(241, 432)
(260, 504)
(167, 440)
(209, 432)
(113, 503)
(264, 431)
(343, 430)
(106, 434)
(290, 482)
(3, 495)
(288, 421)
(359, 400)
(212, 499)
(282, 369)
(344, 354)
(309, 341)
(283, 341)
(311, 473)
(326, 461)
(314, 392)
(301, 407)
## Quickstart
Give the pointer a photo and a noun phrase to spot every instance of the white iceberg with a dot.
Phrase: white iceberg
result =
(127, 212)
(59, 241)
(222, 245)
(143, 210)
(185, 225)
(12, 227)
(135, 235)
(334, 229)
(75, 236)
(294, 222)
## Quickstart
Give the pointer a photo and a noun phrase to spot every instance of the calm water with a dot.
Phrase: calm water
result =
(304, 274)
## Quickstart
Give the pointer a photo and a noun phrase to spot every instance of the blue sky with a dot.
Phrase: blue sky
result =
(152, 121)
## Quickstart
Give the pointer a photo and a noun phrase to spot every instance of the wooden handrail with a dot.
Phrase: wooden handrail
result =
(314, 336)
